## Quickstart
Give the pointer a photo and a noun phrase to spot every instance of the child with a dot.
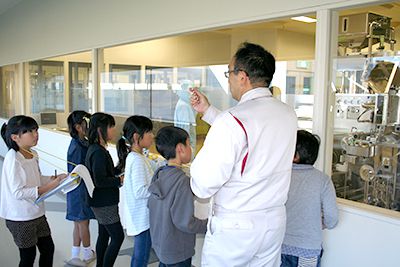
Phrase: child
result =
(21, 184)
(311, 206)
(173, 226)
(78, 209)
(137, 134)
(106, 188)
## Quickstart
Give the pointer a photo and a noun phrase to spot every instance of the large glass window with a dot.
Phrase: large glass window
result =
(298, 89)
(9, 76)
(121, 90)
(47, 86)
(58, 86)
(152, 78)
(366, 138)
(80, 86)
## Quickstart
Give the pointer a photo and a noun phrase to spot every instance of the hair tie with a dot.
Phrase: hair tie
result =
(86, 119)
(127, 142)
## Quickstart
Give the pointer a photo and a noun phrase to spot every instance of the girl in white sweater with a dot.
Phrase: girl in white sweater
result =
(21, 184)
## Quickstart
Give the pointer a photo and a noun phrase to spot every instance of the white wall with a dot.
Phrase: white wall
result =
(365, 236)
(43, 28)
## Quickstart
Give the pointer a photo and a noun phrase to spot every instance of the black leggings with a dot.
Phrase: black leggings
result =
(107, 253)
(46, 250)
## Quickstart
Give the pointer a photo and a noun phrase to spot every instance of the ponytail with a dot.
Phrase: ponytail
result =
(122, 151)
(3, 132)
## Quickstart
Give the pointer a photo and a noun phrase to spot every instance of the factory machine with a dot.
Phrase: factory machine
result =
(366, 154)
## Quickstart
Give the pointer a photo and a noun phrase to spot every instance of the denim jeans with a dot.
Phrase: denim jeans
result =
(185, 263)
(141, 252)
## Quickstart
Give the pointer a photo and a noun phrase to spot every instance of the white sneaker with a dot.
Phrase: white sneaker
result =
(76, 262)
(92, 258)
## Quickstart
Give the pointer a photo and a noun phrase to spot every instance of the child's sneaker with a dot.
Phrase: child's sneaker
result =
(91, 258)
(76, 262)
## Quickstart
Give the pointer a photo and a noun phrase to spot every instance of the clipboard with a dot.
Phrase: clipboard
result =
(80, 172)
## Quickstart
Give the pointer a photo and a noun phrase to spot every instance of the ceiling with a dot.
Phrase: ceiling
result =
(7, 4)
(391, 10)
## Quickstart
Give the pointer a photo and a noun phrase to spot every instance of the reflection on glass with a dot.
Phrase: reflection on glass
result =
(184, 115)
(80, 86)
(162, 98)
(47, 86)
(8, 89)
(121, 90)
(294, 80)
(161, 93)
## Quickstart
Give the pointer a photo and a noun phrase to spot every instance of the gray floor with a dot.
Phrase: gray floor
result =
(62, 236)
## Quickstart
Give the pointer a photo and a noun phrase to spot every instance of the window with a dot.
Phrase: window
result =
(80, 86)
(307, 86)
(290, 85)
(47, 86)
(8, 90)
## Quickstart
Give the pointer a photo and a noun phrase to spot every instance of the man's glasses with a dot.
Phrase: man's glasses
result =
(226, 73)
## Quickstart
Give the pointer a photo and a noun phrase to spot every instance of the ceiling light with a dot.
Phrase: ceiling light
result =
(304, 19)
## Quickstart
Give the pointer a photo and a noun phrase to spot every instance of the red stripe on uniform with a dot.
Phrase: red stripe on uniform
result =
(245, 132)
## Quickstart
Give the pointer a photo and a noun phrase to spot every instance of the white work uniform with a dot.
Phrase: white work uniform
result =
(245, 165)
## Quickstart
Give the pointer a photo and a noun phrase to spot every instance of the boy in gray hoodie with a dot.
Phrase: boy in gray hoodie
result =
(173, 226)
(311, 206)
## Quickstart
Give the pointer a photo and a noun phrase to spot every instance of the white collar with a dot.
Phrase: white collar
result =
(255, 93)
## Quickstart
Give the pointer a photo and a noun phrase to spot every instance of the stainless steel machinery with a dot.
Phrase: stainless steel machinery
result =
(366, 156)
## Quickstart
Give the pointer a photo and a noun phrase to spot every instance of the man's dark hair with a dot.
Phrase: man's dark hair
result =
(258, 63)
(307, 146)
(168, 138)
(99, 121)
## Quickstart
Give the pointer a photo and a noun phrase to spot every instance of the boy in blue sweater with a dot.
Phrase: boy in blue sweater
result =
(311, 206)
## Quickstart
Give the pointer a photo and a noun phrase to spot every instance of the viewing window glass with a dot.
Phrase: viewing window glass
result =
(9, 76)
(46, 79)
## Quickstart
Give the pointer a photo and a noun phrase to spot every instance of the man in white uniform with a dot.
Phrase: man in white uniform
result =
(245, 165)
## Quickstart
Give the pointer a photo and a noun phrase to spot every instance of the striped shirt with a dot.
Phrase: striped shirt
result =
(138, 174)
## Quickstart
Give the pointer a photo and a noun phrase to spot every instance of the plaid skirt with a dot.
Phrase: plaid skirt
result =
(106, 215)
(26, 233)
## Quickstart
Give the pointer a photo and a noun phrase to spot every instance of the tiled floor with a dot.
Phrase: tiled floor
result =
(62, 236)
